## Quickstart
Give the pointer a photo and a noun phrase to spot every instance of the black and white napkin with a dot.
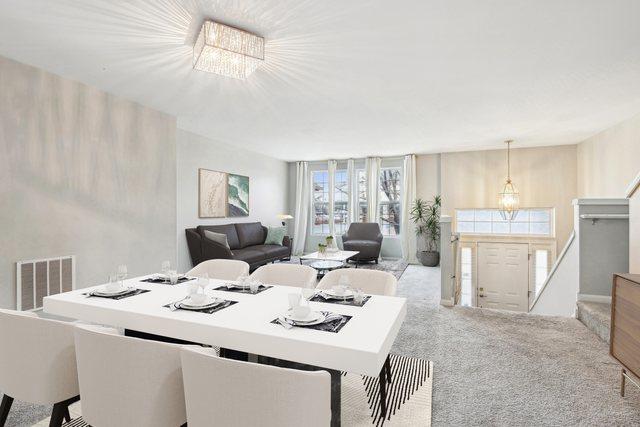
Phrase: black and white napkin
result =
(230, 287)
(166, 281)
(320, 297)
(209, 310)
(334, 322)
(133, 292)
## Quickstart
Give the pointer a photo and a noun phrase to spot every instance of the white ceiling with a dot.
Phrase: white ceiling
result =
(354, 78)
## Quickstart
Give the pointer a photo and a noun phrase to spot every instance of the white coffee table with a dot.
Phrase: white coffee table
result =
(328, 261)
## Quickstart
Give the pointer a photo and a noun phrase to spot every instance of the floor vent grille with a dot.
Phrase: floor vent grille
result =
(39, 278)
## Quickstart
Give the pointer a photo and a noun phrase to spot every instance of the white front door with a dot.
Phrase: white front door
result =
(503, 276)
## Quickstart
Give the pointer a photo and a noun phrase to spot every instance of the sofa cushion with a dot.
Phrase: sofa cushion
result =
(250, 234)
(272, 251)
(217, 237)
(275, 236)
(249, 255)
(228, 229)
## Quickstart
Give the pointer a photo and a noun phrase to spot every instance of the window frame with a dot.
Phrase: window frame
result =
(551, 223)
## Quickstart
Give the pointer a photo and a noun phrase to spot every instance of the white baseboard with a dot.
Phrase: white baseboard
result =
(594, 298)
(447, 302)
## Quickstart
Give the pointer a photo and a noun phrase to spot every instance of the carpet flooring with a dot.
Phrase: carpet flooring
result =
(497, 368)
(507, 369)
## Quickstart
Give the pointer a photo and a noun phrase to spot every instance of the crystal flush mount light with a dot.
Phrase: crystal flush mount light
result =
(227, 51)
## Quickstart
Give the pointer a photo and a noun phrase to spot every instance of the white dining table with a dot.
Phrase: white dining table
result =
(360, 347)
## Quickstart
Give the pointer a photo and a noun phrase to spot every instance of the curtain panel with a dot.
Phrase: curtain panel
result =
(372, 167)
(303, 202)
(408, 236)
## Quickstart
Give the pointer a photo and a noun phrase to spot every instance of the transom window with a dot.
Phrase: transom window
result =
(389, 205)
(536, 222)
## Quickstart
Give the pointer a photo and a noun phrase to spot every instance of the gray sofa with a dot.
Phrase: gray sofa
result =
(364, 237)
(246, 243)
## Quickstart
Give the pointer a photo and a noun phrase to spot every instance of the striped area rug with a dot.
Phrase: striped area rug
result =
(408, 396)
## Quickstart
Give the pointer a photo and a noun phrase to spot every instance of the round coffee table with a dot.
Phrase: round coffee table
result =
(326, 265)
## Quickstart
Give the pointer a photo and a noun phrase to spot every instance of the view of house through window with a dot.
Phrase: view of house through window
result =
(389, 205)
(340, 200)
(362, 195)
(320, 197)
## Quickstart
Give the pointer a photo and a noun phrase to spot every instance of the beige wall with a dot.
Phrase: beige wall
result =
(609, 161)
(545, 177)
(82, 173)
(427, 176)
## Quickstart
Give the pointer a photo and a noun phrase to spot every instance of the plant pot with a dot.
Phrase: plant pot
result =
(429, 258)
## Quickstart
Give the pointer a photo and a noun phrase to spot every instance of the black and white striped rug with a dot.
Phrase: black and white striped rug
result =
(408, 396)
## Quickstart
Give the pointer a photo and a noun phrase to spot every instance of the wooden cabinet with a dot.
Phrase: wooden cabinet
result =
(625, 325)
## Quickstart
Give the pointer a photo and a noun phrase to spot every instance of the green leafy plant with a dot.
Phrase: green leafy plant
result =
(426, 216)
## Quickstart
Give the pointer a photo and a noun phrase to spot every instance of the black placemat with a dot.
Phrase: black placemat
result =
(210, 310)
(225, 288)
(333, 326)
(318, 298)
(167, 281)
(117, 297)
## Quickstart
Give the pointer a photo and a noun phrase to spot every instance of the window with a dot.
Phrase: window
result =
(541, 268)
(537, 222)
(340, 202)
(466, 277)
(320, 197)
(389, 204)
(362, 195)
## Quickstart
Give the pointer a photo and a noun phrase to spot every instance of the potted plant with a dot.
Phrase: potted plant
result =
(331, 245)
(426, 216)
(322, 248)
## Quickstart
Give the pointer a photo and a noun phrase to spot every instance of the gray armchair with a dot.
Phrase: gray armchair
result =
(364, 237)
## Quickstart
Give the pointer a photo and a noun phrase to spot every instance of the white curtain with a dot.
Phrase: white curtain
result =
(407, 230)
(331, 166)
(352, 204)
(372, 167)
(303, 201)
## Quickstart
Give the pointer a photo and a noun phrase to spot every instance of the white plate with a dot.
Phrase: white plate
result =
(348, 294)
(208, 303)
(313, 318)
(106, 293)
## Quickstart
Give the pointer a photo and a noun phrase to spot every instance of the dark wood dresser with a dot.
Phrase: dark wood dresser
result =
(625, 325)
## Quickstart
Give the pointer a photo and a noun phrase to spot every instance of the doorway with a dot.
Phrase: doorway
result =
(503, 276)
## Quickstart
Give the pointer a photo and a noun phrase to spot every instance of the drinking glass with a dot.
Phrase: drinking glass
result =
(165, 267)
(203, 281)
(254, 286)
(113, 284)
(358, 296)
(243, 281)
(173, 276)
(122, 273)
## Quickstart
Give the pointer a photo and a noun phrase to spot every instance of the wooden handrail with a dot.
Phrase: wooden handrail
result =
(633, 187)
(554, 268)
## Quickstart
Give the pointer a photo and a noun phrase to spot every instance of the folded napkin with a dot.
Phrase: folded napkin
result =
(131, 293)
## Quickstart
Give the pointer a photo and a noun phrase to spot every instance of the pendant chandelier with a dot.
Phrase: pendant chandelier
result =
(509, 198)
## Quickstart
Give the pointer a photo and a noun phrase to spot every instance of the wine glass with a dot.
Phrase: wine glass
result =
(122, 273)
(203, 281)
(308, 293)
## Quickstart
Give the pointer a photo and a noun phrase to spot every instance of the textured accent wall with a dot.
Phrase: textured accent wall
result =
(82, 172)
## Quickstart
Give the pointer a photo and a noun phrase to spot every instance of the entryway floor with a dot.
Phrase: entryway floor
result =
(502, 368)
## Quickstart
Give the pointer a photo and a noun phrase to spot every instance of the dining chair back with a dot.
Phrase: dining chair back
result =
(37, 363)
(370, 281)
(128, 381)
(235, 393)
(221, 269)
(301, 276)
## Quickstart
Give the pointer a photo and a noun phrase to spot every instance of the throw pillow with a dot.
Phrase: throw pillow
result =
(217, 237)
(275, 235)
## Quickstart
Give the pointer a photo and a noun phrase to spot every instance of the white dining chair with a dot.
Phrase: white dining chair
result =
(370, 281)
(301, 276)
(37, 363)
(221, 269)
(128, 381)
(233, 393)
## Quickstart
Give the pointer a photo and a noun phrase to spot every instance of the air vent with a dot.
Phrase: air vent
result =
(41, 277)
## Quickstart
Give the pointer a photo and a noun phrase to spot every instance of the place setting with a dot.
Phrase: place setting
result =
(245, 285)
(199, 301)
(116, 288)
(342, 294)
(301, 315)
(168, 276)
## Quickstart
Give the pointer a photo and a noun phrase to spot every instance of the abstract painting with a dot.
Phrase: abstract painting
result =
(238, 195)
(212, 194)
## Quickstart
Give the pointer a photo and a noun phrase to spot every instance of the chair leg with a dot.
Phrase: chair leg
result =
(61, 411)
(387, 367)
(66, 414)
(5, 406)
(383, 393)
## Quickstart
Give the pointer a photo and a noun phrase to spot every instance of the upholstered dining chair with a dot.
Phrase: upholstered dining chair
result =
(128, 381)
(371, 282)
(232, 393)
(37, 363)
(222, 269)
(301, 276)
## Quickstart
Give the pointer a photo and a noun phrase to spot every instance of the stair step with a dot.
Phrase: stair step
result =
(596, 316)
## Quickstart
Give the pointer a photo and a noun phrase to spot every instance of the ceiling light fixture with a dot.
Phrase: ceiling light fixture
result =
(227, 51)
(509, 198)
